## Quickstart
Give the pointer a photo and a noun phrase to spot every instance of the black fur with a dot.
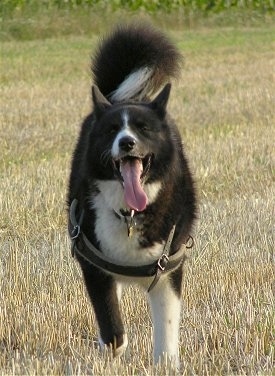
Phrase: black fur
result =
(125, 51)
(130, 48)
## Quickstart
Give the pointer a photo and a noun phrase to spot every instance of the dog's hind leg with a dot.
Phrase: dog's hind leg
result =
(105, 295)
(166, 313)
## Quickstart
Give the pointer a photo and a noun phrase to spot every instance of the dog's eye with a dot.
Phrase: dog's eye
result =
(113, 128)
(143, 126)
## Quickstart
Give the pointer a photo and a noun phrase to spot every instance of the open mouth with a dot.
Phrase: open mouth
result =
(132, 172)
(143, 164)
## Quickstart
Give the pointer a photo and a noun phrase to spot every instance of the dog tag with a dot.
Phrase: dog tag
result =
(130, 231)
(131, 224)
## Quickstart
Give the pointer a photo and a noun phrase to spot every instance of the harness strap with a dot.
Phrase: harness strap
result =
(83, 247)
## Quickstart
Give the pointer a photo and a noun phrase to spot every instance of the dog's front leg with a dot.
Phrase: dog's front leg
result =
(166, 313)
(105, 295)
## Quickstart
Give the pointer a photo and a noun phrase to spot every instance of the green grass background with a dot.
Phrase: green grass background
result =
(32, 19)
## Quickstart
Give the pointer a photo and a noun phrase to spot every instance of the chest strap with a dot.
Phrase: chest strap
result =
(83, 247)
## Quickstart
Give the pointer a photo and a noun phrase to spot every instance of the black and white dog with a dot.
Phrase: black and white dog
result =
(131, 194)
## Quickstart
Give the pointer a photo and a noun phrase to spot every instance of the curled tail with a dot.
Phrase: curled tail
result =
(134, 62)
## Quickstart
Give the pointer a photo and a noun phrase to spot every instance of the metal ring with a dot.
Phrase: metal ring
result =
(77, 230)
(191, 241)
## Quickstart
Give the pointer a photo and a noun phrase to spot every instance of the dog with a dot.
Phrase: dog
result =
(131, 199)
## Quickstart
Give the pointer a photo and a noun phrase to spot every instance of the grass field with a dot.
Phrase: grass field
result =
(224, 106)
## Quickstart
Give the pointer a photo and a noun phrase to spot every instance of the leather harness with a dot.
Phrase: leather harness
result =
(83, 247)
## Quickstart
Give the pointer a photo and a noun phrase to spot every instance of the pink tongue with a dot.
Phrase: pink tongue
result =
(134, 195)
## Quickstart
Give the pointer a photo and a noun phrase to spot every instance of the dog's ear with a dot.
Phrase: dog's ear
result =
(101, 104)
(160, 102)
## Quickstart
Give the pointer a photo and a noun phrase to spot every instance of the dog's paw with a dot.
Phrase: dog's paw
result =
(118, 345)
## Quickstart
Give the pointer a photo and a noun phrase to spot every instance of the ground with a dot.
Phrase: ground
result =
(224, 106)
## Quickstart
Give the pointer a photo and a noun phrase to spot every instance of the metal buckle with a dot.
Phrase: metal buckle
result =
(163, 258)
(75, 232)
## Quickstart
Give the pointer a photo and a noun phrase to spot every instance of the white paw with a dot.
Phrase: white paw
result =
(117, 351)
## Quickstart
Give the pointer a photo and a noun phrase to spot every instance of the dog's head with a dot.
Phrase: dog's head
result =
(132, 143)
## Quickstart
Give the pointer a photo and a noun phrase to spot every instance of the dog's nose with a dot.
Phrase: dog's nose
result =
(127, 143)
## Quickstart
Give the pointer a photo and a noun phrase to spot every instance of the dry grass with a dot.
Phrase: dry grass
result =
(224, 105)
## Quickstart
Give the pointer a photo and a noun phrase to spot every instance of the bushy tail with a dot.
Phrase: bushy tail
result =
(134, 62)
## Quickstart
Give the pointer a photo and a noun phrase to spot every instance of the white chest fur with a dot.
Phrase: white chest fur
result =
(112, 232)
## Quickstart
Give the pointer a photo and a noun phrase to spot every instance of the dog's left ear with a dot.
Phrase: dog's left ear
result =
(101, 104)
(160, 102)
